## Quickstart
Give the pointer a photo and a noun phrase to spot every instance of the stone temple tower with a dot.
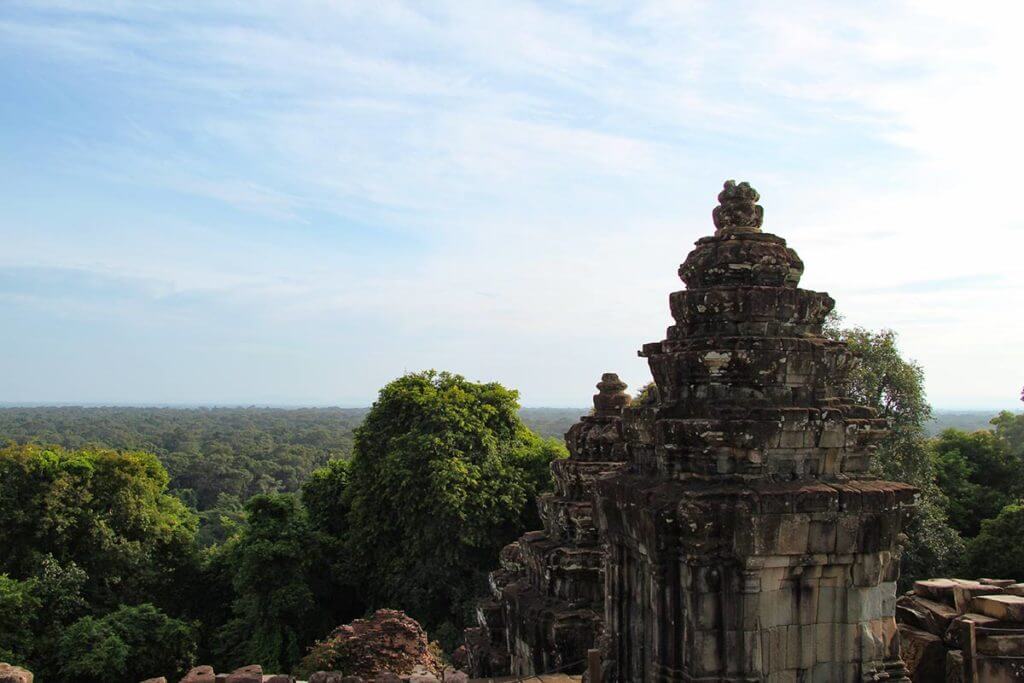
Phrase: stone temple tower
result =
(746, 540)
(547, 604)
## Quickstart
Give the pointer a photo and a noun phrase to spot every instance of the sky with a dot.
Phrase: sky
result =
(292, 203)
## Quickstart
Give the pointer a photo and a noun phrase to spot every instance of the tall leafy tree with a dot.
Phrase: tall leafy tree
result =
(274, 565)
(444, 474)
(978, 475)
(894, 386)
(1009, 430)
(105, 512)
(997, 551)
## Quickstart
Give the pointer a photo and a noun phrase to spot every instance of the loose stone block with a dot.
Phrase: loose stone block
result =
(924, 655)
(922, 613)
(200, 674)
(1001, 607)
(14, 674)
(246, 674)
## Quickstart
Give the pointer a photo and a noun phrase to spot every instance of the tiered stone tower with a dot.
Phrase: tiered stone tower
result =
(547, 602)
(746, 541)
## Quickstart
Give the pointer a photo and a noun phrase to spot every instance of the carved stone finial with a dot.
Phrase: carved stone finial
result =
(738, 207)
(611, 396)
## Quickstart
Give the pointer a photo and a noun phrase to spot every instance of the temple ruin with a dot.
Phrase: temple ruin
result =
(738, 532)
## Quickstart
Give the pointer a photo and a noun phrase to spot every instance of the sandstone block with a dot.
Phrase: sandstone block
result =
(935, 589)
(1001, 607)
(955, 671)
(14, 674)
(252, 673)
(161, 679)
(922, 613)
(924, 655)
(200, 674)
(454, 676)
(278, 678)
(325, 677)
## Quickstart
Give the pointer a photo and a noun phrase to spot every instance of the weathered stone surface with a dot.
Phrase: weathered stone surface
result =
(1001, 607)
(14, 674)
(326, 677)
(546, 608)
(252, 673)
(161, 679)
(922, 613)
(200, 674)
(924, 655)
(278, 678)
(452, 675)
(955, 671)
(744, 539)
(727, 529)
(387, 677)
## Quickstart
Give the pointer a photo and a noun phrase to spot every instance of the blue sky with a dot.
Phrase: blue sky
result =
(293, 203)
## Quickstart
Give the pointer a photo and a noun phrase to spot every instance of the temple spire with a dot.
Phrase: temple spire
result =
(738, 210)
(611, 396)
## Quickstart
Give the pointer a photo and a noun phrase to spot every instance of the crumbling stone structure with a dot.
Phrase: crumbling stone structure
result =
(960, 631)
(547, 602)
(746, 541)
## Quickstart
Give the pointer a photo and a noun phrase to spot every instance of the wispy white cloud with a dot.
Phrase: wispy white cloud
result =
(523, 176)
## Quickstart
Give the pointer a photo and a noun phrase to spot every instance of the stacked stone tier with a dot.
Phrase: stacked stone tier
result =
(807, 521)
(755, 581)
(568, 521)
(741, 259)
(568, 573)
(748, 311)
(596, 438)
(771, 443)
(750, 371)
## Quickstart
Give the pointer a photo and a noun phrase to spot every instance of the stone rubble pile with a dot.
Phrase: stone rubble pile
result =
(389, 640)
(387, 647)
(254, 674)
(961, 631)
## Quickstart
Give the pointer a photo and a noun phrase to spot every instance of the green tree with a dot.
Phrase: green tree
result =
(1009, 429)
(443, 475)
(978, 475)
(274, 564)
(19, 610)
(996, 552)
(129, 644)
(894, 386)
(105, 512)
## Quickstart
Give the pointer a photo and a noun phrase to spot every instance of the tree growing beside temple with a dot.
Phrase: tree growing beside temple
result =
(444, 474)
(894, 386)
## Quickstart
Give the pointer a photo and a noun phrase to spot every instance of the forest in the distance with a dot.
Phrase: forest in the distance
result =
(140, 541)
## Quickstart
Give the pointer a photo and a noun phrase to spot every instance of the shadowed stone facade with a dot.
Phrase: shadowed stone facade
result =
(546, 607)
(746, 541)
